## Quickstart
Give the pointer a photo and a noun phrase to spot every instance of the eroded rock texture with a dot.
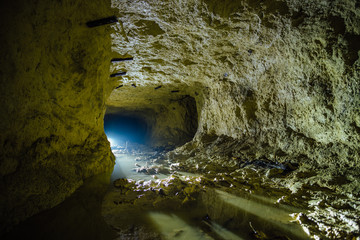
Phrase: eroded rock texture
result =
(276, 79)
(273, 80)
(54, 81)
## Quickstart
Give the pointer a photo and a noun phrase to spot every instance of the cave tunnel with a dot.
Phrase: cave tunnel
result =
(152, 117)
(119, 129)
(193, 119)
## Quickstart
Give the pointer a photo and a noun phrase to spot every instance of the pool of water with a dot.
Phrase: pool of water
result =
(78, 217)
(128, 166)
(213, 214)
(99, 210)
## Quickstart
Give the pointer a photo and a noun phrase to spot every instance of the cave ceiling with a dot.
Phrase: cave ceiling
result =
(187, 46)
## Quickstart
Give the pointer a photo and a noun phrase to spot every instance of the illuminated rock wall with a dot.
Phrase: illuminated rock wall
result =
(54, 81)
(280, 78)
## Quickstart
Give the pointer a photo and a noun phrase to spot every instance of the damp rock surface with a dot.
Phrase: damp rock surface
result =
(267, 85)
(278, 77)
(54, 82)
(276, 86)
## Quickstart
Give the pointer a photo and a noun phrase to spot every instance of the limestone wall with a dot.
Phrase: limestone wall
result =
(294, 91)
(280, 78)
(54, 81)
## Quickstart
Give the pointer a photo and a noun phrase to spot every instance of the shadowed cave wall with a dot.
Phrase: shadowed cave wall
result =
(271, 79)
(54, 82)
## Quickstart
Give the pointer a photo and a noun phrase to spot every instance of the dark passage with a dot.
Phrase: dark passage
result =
(120, 129)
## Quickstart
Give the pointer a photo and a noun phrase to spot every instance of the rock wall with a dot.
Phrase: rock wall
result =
(271, 79)
(295, 95)
(278, 78)
(54, 82)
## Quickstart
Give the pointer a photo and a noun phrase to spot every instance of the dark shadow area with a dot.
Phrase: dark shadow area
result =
(78, 217)
(120, 129)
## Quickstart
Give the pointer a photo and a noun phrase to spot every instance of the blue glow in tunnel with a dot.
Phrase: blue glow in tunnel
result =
(120, 129)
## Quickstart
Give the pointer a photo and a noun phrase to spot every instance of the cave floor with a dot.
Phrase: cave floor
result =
(171, 196)
(153, 198)
(156, 195)
(78, 217)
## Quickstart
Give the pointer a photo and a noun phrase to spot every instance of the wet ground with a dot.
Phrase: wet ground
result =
(78, 217)
(158, 199)
(152, 194)
(200, 196)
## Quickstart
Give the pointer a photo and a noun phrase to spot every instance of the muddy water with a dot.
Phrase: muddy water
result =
(224, 217)
(181, 205)
(78, 217)
(157, 201)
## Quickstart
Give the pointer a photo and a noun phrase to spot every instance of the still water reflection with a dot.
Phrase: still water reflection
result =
(216, 214)
(78, 217)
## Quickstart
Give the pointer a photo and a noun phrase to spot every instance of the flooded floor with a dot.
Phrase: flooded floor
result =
(152, 194)
(78, 217)
(158, 199)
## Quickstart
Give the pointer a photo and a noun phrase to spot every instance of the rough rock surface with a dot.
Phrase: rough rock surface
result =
(278, 78)
(273, 80)
(54, 82)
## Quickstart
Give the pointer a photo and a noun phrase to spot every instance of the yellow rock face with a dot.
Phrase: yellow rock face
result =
(275, 79)
(54, 81)
(280, 77)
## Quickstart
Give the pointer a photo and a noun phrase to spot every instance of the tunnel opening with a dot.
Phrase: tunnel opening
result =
(121, 129)
(142, 132)
(160, 121)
